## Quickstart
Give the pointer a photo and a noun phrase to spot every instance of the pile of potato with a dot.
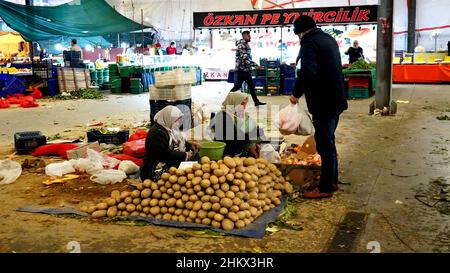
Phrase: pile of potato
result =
(230, 193)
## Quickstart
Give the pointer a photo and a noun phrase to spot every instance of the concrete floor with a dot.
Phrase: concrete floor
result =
(385, 161)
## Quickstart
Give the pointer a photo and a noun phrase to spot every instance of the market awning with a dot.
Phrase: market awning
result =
(79, 18)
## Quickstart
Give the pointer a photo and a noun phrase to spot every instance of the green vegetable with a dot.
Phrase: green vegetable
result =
(84, 93)
(361, 64)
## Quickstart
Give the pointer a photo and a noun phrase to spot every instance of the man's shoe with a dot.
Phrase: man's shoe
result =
(316, 194)
(260, 103)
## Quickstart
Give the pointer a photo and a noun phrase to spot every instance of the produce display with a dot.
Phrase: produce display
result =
(361, 64)
(229, 193)
(13, 70)
(294, 156)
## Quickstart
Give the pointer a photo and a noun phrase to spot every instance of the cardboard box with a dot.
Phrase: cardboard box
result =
(81, 152)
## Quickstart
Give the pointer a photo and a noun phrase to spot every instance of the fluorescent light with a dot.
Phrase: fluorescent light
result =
(58, 47)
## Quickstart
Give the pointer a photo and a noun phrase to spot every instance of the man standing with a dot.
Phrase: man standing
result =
(320, 79)
(354, 53)
(75, 47)
(244, 64)
(171, 49)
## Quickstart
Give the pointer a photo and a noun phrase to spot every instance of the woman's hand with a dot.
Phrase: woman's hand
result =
(195, 145)
(188, 155)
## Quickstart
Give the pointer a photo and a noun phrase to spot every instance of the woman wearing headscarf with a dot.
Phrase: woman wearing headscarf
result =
(165, 144)
(234, 126)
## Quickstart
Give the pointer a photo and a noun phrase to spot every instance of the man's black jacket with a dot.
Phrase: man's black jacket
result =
(320, 77)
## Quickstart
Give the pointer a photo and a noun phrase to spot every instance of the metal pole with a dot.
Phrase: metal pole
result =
(384, 59)
(412, 10)
(30, 44)
(142, 26)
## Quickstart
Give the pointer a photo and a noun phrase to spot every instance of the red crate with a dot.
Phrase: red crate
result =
(358, 81)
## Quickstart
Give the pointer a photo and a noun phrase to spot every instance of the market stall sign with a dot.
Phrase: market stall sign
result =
(282, 17)
(215, 74)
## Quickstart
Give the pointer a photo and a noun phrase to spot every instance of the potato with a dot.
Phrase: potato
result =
(196, 167)
(277, 202)
(225, 169)
(164, 210)
(147, 183)
(210, 191)
(188, 170)
(229, 194)
(156, 194)
(249, 161)
(238, 175)
(198, 221)
(234, 208)
(206, 221)
(202, 214)
(206, 206)
(145, 193)
(154, 186)
(139, 187)
(205, 160)
(122, 206)
(110, 202)
(188, 205)
(190, 176)
(165, 196)
(101, 206)
(213, 179)
(182, 197)
(182, 190)
(182, 218)
(230, 177)
(146, 210)
(206, 176)
(171, 210)
(179, 172)
(229, 162)
(250, 184)
(197, 206)
(242, 215)
(161, 203)
(205, 198)
(189, 220)
(179, 204)
(244, 206)
(261, 196)
(205, 183)
(196, 181)
(223, 211)
(198, 173)
(200, 194)
(218, 172)
(99, 213)
(135, 194)
(170, 191)
(215, 207)
(211, 214)
(247, 177)
(232, 216)
(241, 169)
(254, 177)
(197, 188)
(266, 208)
(234, 189)
(216, 186)
(288, 187)
(118, 199)
(236, 201)
(216, 224)
(193, 214)
(240, 224)
(124, 194)
(225, 187)
(193, 198)
(226, 202)
(142, 214)
(167, 216)
(178, 212)
(84, 208)
(145, 202)
(254, 203)
(171, 202)
(138, 207)
(115, 194)
(181, 181)
(163, 189)
(124, 213)
(174, 218)
(153, 202)
(131, 208)
(220, 194)
(186, 212)
(173, 170)
(165, 176)
(214, 166)
(206, 168)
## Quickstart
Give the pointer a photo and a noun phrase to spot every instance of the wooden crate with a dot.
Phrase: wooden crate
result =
(71, 79)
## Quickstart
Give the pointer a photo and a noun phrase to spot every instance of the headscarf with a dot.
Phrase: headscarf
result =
(166, 118)
(232, 100)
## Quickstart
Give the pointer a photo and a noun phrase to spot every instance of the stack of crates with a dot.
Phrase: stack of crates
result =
(114, 79)
(287, 79)
(273, 78)
(358, 86)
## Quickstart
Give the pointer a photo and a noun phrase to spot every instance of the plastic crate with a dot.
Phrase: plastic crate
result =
(272, 73)
(358, 81)
(287, 71)
(259, 81)
(117, 138)
(287, 86)
(27, 142)
(15, 85)
(273, 82)
(273, 64)
(176, 92)
(358, 93)
(260, 90)
(184, 105)
(273, 90)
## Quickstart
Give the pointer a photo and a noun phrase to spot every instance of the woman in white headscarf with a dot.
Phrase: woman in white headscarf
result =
(165, 143)
(233, 126)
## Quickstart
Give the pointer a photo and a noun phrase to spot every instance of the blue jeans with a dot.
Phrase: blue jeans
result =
(325, 127)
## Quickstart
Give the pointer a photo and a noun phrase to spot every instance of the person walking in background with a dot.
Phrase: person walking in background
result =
(320, 79)
(244, 64)
(354, 52)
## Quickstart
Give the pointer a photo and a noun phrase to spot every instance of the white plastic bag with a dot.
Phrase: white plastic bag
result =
(106, 177)
(128, 167)
(106, 161)
(59, 169)
(268, 153)
(9, 171)
(85, 165)
(293, 120)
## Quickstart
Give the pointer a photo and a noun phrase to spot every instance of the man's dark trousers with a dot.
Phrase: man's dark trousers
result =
(325, 127)
(245, 76)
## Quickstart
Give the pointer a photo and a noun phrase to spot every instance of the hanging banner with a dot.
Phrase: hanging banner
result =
(282, 17)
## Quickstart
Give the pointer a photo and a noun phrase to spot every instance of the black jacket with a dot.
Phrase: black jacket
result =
(354, 54)
(320, 77)
(157, 150)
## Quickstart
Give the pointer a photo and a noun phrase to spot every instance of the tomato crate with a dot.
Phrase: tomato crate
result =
(118, 138)
(27, 142)
(358, 80)
(358, 93)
